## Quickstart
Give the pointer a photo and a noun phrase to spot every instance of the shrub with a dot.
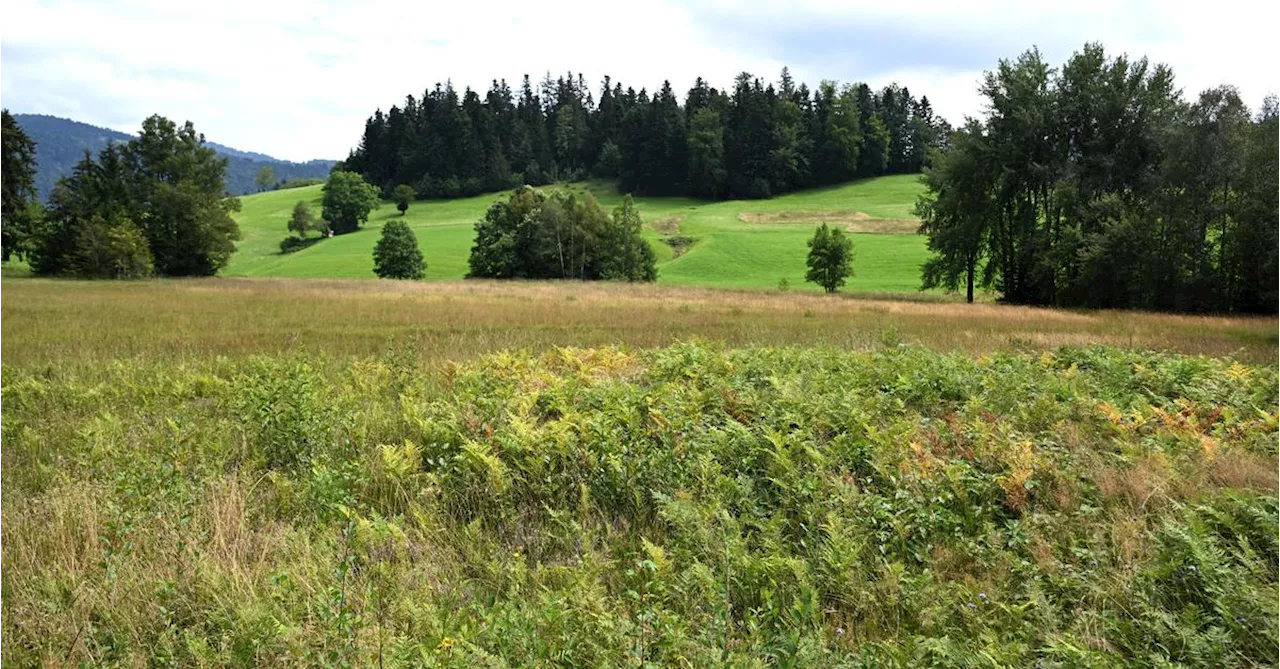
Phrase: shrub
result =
(292, 244)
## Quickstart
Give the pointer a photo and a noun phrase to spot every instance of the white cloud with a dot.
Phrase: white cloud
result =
(297, 79)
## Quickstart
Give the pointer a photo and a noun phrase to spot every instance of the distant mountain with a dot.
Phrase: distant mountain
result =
(61, 143)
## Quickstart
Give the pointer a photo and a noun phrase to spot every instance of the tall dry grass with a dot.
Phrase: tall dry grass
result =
(69, 322)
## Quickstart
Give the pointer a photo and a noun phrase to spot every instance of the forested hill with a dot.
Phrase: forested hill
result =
(61, 143)
(752, 140)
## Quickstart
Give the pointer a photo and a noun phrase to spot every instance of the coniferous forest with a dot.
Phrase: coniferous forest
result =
(753, 141)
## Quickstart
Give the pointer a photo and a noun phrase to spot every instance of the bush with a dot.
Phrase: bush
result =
(292, 244)
(396, 255)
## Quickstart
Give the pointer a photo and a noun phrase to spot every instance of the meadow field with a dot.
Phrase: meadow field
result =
(66, 322)
(735, 244)
(269, 471)
(283, 472)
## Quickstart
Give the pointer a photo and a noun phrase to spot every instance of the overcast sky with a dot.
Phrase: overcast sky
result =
(297, 79)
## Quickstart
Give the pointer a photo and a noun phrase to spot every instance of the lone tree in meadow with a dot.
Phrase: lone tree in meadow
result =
(403, 195)
(266, 177)
(348, 199)
(397, 256)
(830, 258)
(19, 202)
(303, 221)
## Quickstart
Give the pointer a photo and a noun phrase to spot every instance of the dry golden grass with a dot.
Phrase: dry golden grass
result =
(667, 225)
(852, 221)
(66, 322)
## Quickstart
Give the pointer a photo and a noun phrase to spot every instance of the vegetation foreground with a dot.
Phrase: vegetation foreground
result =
(418, 474)
(692, 505)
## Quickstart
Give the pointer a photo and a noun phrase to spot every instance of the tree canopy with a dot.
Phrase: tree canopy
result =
(348, 200)
(302, 221)
(403, 195)
(532, 235)
(830, 260)
(752, 140)
(18, 202)
(396, 255)
(265, 178)
(1098, 185)
(166, 183)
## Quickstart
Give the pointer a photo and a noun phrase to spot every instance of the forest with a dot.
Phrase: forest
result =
(752, 141)
(1098, 185)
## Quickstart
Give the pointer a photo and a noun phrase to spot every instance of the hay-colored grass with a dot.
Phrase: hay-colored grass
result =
(64, 322)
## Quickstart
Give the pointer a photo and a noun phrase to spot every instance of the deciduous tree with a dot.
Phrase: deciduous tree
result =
(348, 200)
(402, 195)
(266, 178)
(830, 259)
(396, 255)
(302, 221)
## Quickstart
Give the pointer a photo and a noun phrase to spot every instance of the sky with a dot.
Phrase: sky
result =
(296, 80)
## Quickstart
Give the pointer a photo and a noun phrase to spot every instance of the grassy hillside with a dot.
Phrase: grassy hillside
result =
(739, 244)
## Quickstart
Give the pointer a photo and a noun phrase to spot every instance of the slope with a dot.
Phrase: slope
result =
(734, 244)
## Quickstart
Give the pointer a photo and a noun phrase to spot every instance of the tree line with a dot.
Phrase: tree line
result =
(751, 141)
(154, 205)
(1099, 185)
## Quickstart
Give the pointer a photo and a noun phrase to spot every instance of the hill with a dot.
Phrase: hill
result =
(733, 244)
(61, 143)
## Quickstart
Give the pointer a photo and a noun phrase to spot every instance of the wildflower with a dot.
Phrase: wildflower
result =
(983, 597)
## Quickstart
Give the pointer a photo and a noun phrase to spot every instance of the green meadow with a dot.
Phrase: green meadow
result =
(735, 244)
